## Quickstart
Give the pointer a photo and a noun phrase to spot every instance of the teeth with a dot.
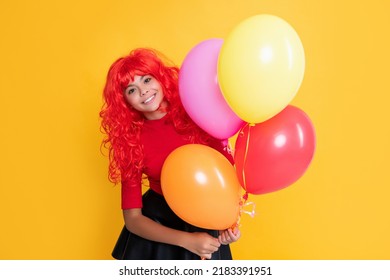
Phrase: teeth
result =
(149, 99)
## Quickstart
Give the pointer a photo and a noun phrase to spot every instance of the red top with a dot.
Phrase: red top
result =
(159, 139)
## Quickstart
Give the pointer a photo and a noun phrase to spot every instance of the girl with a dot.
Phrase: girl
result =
(144, 121)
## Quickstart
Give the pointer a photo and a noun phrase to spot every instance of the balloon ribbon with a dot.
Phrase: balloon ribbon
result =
(246, 153)
(244, 202)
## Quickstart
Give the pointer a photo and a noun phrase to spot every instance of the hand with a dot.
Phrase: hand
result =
(202, 244)
(229, 236)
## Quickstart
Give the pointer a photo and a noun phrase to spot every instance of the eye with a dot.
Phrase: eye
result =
(131, 90)
(147, 80)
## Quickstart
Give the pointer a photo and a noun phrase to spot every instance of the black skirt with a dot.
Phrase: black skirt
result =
(133, 247)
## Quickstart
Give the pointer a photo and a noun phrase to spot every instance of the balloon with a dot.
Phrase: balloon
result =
(260, 67)
(200, 185)
(274, 154)
(200, 93)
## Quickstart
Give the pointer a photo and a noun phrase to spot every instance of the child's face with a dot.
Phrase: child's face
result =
(145, 95)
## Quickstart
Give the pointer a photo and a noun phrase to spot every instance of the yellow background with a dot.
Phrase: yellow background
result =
(55, 199)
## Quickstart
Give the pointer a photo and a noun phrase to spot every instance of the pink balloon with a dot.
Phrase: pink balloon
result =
(274, 154)
(200, 92)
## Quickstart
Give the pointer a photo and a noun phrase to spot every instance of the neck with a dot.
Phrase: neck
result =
(158, 114)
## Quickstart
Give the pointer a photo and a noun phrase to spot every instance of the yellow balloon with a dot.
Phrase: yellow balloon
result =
(260, 67)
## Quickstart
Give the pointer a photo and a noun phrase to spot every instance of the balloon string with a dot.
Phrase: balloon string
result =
(243, 203)
(230, 150)
(245, 155)
(252, 212)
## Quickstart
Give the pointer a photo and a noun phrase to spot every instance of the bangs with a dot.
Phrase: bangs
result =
(132, 68)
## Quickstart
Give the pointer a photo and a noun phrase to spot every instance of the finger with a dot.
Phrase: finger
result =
(215, 242)
(234, 235)
(222, 240)
(231, 234)
(205, 256)
(226, 234)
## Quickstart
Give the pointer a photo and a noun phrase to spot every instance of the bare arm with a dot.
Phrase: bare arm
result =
(199, 243)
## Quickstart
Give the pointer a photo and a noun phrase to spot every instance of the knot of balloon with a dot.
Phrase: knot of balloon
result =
(228, 148)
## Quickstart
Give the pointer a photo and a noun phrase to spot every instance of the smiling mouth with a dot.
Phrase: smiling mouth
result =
(149, 99)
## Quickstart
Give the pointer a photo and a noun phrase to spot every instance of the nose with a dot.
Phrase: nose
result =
(144, 91)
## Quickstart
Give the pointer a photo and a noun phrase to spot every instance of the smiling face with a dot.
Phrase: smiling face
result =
(145, 95)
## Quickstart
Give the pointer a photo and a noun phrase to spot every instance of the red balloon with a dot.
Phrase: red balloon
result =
(272, 155)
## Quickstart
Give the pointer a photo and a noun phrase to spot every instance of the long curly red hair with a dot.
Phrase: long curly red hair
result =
(122, 124)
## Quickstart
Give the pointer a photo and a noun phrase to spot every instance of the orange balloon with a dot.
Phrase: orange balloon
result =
(201, 187)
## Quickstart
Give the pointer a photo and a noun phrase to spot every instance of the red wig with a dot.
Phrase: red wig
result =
(122, 124)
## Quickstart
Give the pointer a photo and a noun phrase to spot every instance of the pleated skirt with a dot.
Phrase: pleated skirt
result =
(130, 246)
